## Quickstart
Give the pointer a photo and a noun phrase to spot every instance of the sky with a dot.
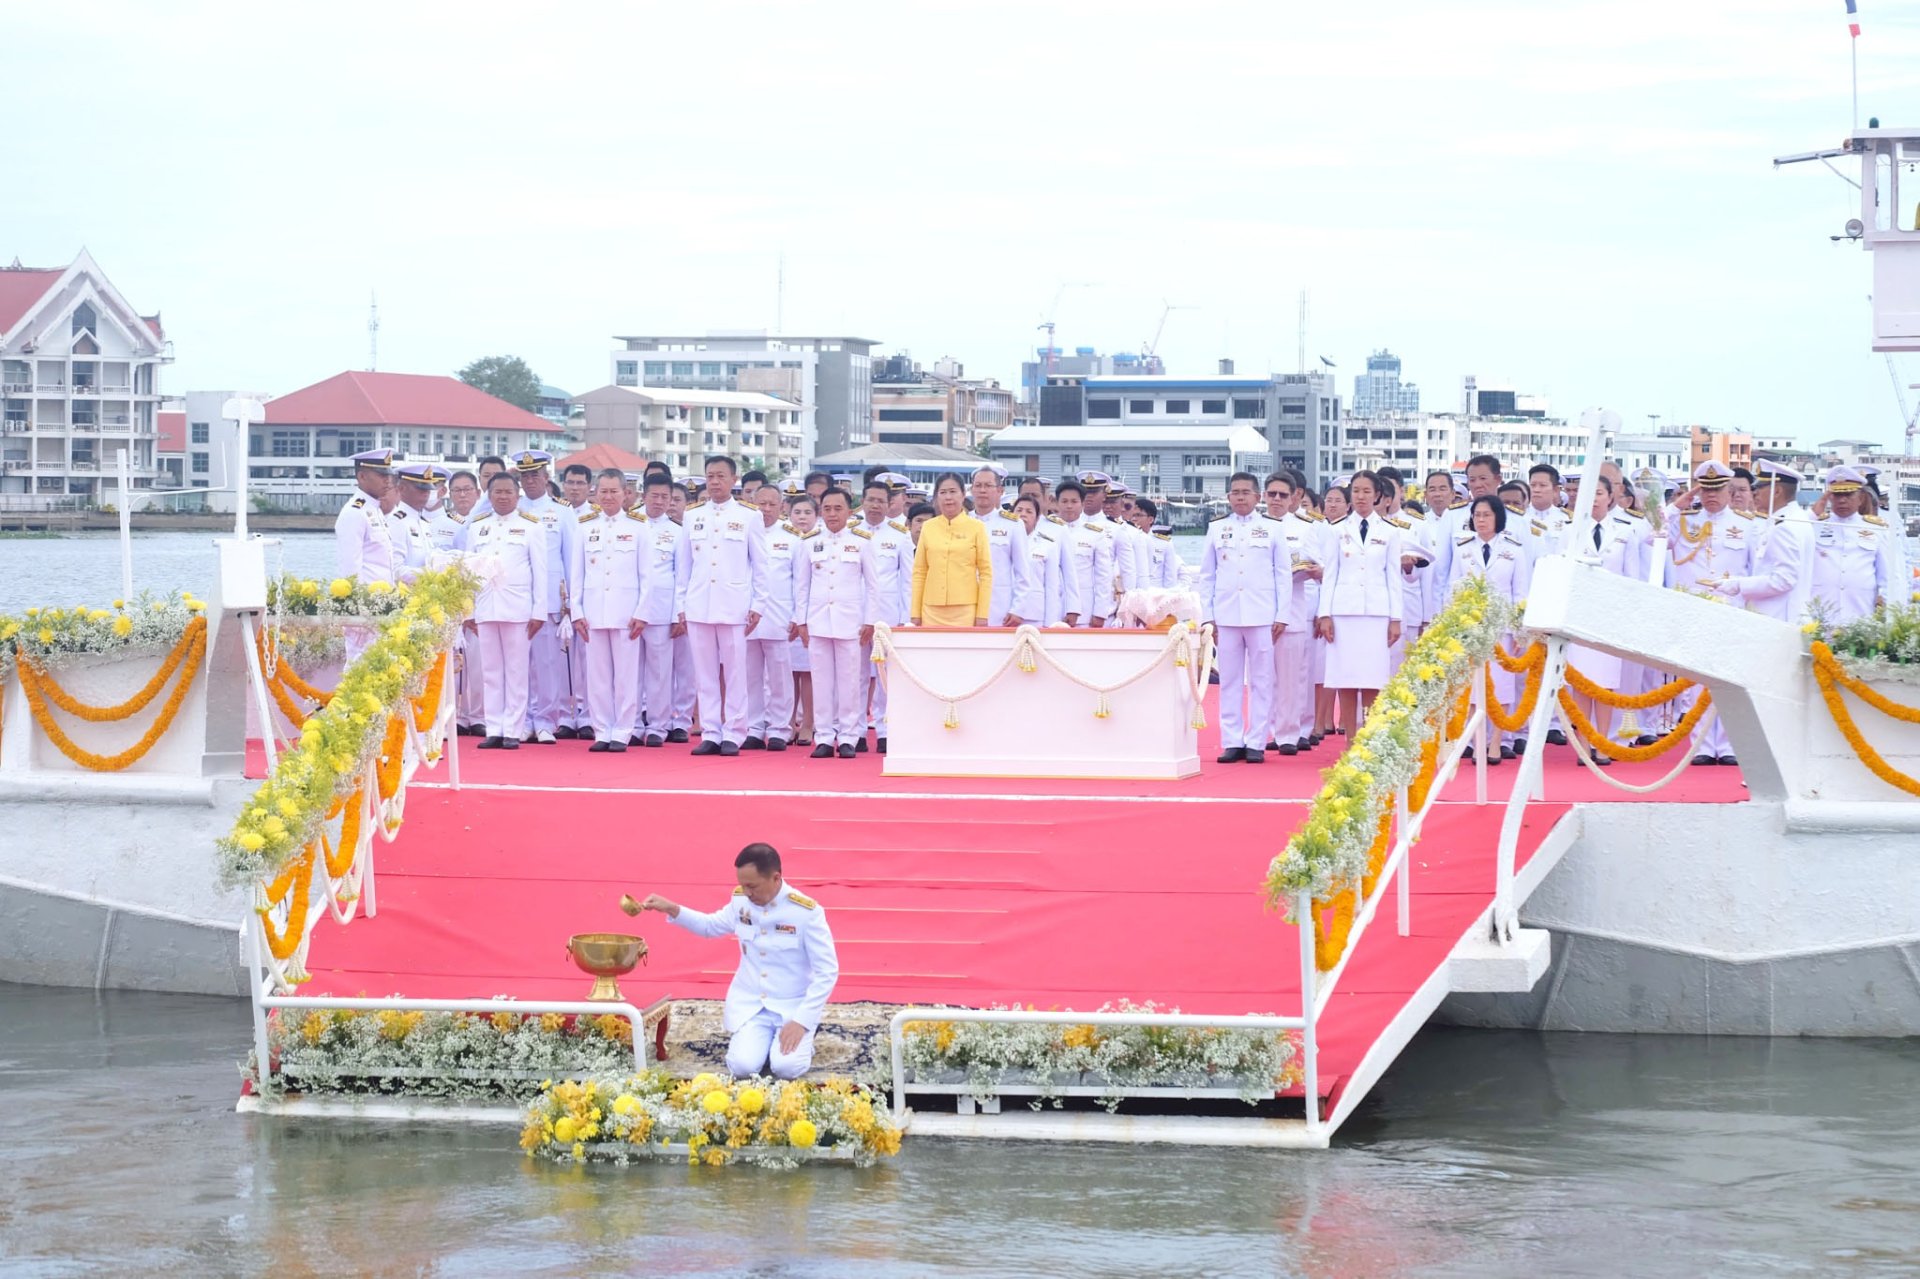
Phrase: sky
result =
(1577, 198)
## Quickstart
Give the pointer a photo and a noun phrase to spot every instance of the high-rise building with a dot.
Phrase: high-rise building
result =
(1379, 391)
(79, 382)
(1055, 367)
(829, 379)
(941, 405)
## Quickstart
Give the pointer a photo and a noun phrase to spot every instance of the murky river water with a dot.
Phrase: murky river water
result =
(1480, 1154)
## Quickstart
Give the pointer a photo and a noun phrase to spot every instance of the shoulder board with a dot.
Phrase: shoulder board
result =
(1746, 515)
(1342, 520)
(1316, 517)
(788, 528)
(815, 532)
(1638, 515)
(1515, 510)
(739, 892)
(1824, 515)
(1413, 514)
(858, 517)
(1219, 518)
(399, 513)
(1511, 538)
(1874, 519)
(860, 532)
(1055, 519)
(531, 519)
(456, 518)
(1462, 541)
(587, 518)
(694, 506)
(1165, 537)
(1459, 502)
(638, 512)
(357, 502)
(801, 900)
(1397, 522)
(897, 526)
(1005, 514)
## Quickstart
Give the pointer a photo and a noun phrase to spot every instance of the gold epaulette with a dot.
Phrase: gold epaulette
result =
(1397, 522)
(1638, 515)
(801, 900)
(788, 528)
(1412, 514)
(637, 511)
(1462, 541)
(1874, 519)
(357, 502)
(860, 532)
(1165, 537)
(1747, 515)
(531, 519)
(1005, 514)
(1824, 515)
(1055, 519)
(587, 518)
(897, 526)
(739, 892)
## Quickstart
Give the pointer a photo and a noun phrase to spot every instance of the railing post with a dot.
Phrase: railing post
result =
(1552, 671)
(256, 964)
(249, 640)
(1309, 1060)
(1403, 875)
(1480, 736)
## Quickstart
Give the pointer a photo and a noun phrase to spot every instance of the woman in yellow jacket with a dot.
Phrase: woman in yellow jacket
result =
(953, 565)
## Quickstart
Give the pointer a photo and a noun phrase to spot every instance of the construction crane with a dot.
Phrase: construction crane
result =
(1166, 308)
(1907, 415)
(1053, 349)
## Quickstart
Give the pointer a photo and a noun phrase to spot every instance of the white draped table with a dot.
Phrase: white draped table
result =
(1114, 704)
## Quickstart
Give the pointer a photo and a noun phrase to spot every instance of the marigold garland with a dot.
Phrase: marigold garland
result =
(1523, 711)
(1619, 750)
(1828, 673)
(297, 878)
(32, 675)
(285, 674)
(288, 707)
(1535, 658)
(1330, 937)
(196, 630)
(426, 707)
(392, 756)
(1824, 659)
(1627, 701)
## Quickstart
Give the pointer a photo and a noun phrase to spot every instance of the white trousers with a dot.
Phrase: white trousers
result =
(716, 645)
(613, 682)
(755, 1048)
(838, 686)
(769, 675)
(574, 714)
(546, 679)
(684, 684)
(1292, 686)
(877, 720)
(502, 652)
(1245, 657)
(656, 680)
(468, 708)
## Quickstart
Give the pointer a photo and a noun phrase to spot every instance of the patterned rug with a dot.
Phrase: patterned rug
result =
(852, 1040)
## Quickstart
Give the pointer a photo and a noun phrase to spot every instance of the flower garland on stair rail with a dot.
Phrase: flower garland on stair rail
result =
(1189, 647)
(1832, 677)
(1682, 732)
(40, 687)
(1333, 850)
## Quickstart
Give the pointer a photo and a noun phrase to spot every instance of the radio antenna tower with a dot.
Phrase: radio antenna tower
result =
(1303, 330)
(373, 332)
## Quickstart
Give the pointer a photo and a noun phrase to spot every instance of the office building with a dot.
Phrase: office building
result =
(683, 427)
(1379, 391)
(940, 406)
(1053, 368)
(1160, 459)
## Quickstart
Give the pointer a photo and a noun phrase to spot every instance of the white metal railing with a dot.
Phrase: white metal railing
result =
(1310, 1078)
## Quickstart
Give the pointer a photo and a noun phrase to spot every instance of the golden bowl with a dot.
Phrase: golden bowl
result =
(606, 956)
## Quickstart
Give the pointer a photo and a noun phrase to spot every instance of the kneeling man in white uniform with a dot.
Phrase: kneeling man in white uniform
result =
(787, 965)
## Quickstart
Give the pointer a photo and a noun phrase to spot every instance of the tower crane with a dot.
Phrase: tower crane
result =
(1166, 309)
(1907, 415)
(1053, 311)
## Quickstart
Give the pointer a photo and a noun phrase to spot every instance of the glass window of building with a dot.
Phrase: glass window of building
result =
(1140, 407)
(1103, 410)
(1179, 406)
(199, 432)
(1246, 409)
(1213, 406)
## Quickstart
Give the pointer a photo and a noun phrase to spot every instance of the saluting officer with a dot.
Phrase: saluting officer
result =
(1245, 573)
(1782, 577)
(607, 562)
(1706, 547)
(787, 971)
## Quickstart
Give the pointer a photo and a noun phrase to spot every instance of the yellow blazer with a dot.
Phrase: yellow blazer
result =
(953, 565)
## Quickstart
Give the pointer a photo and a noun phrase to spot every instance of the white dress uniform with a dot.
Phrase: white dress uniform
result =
(1853, 566)
(607, 565)
(1157, 561)
(573, 708)
(1701, 545)
(1292, 669)
(547, 654)
(501, 613)
(1782, 578)
(1120, 551)
(1503, 560)
(1007, 543)
(443, 528)
(719, 577)
(1041, 601)
(661, 542)
(787, 971)
(363, 548)
(1361, 592)
(1245, 574)
(892, 596)
(1549, 529)
(1623, 546)
(769, 666)
(1416, 532)
(1088, 564)
(838, 590)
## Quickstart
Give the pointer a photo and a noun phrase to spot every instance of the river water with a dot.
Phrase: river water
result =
(1481, 1153)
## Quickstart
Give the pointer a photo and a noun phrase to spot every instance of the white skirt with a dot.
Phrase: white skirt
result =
(1604, 669)
(1358, 657)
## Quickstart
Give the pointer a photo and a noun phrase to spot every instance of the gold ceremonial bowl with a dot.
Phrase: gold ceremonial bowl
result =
(606, 956)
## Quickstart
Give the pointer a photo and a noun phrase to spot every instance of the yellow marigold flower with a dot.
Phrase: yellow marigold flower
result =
(378, 588)
(119, 603)
(122, 627)
(579, 1151)
(251, 842)
(340, 588)
(803, 1134)
(752, 1101)
(714, 1158)
(33, 612)
(288, 808)
(46, 636)
(564, 1129)
(625, 1104)
(13, 629)
(369, 703)
(438, 614)
(702, 1082)
(716, 1101)
(99, 615)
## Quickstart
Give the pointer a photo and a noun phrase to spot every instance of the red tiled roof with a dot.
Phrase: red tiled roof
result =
(20, 288)
(399, 399)
(173, 432)
(602, 456)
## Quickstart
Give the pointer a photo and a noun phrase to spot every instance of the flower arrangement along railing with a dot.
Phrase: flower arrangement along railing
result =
(1188, 647)
(35, 645)
(709, 1120)
(1884, 646)
(1593, 747)
(1397, 756)
(317, 811)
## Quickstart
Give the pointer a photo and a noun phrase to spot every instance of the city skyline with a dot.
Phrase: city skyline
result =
(1596, 218)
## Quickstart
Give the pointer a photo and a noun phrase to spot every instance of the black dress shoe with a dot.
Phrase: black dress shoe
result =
(706, 748)
(753, 744)
(1288, 748)
(1646, 739)
(1254, 757)
(847, 751)
(1519, 746)
(1232, 755)
(509, 744)
(1303, 744)
(636, 740)
(776, 743)
(1704, 759)
(1557, 738)
(1467, 754)
(618, 748)
(1494, 760)
(677, 736)
(1315, 738)
(489, 744)
(1506, 752)
(880, 744)
(1730, 761)
(654, 741)
(1601, 761)
(729, 749)
(565, 734)
(1273, 746)
(599, 748)
(861, 745)
(822, 751)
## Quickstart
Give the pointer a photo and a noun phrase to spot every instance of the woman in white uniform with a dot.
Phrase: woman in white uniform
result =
(803, 513)
(1622, 548)
(1489, 551)
(1360, 601)
(1333, 507)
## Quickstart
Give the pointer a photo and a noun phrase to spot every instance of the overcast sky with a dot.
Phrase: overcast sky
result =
(1575, 196)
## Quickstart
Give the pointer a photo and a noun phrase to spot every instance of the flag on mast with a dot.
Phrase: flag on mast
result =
(1853, 28)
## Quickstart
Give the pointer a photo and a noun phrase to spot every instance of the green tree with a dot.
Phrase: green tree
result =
(505, 377)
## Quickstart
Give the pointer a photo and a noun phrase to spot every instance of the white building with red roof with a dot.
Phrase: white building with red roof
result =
(300, 457)
(79, 382)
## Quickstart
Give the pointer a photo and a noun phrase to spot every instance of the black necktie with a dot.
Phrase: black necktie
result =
(1486, 552)
(1596, 537)
(1363, 528)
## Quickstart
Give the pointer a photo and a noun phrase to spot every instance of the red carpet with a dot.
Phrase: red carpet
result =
(1062, 894)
